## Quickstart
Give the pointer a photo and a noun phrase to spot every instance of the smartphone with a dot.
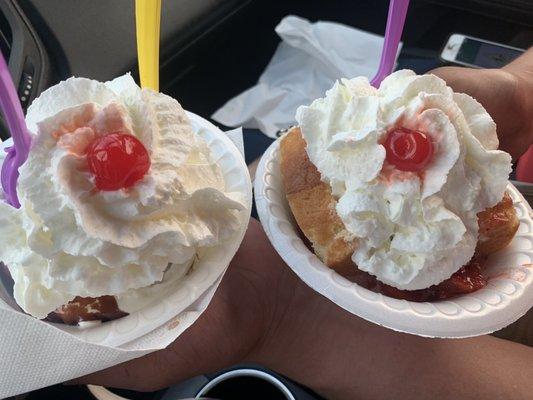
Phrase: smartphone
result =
(477, 53)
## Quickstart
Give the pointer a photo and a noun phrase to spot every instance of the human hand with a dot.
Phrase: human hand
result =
(265, 314)
(507, 95)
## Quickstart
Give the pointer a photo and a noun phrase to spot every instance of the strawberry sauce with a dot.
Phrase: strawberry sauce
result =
(467, 280)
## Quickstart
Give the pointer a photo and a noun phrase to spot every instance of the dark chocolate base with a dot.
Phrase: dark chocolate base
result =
(103, 308)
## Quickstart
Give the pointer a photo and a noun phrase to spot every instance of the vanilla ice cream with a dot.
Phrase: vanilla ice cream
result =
(413, 230)
(70, 239)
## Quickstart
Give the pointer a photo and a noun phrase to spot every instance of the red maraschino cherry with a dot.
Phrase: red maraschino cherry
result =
(117, 161)
(407, 149)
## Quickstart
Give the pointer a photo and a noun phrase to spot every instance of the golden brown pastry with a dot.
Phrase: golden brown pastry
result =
(497, 227)
(313, 207)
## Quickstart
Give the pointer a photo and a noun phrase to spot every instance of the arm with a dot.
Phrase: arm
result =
(343, 357)
(264, 313)
(506, 93)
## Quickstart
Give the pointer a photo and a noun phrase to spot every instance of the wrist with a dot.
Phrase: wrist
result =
(506, 94)
(289, 345)
(524, 94)
(521, 70)
(312, 341)
(522, 67)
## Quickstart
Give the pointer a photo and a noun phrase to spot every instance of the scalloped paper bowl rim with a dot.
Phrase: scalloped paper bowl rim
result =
(206, 273)
(507, 296)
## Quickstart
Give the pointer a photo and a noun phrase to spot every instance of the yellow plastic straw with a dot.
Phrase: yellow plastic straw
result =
(148, 21)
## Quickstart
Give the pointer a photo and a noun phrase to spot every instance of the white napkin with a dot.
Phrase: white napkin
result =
(306, 63)
(35, 354)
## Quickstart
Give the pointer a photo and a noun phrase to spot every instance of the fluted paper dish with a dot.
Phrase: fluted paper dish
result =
(206, 270)
(507, 296)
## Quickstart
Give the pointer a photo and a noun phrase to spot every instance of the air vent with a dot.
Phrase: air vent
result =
(5, 47)
(5, 37)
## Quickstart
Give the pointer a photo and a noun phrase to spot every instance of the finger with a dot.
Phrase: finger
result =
(460, 79)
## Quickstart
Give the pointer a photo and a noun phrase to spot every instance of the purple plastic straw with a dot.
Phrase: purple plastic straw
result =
(393, 34)
(14, 116)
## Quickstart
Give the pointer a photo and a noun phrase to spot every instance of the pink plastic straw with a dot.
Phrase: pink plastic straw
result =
(17, 154)
(393, 34)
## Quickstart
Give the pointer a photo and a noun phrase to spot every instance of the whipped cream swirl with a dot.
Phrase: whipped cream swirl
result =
(413, 230)
(69, 239)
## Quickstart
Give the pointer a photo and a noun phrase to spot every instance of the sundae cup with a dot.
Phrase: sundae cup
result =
(402, 195)
(121, 199)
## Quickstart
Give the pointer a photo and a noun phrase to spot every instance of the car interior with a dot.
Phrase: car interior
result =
(212, 50)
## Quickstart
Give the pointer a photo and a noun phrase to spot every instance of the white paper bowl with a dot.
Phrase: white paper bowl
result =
(507, 296)
(206, 271)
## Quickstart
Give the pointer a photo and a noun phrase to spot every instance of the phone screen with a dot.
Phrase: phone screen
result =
(485, 55)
